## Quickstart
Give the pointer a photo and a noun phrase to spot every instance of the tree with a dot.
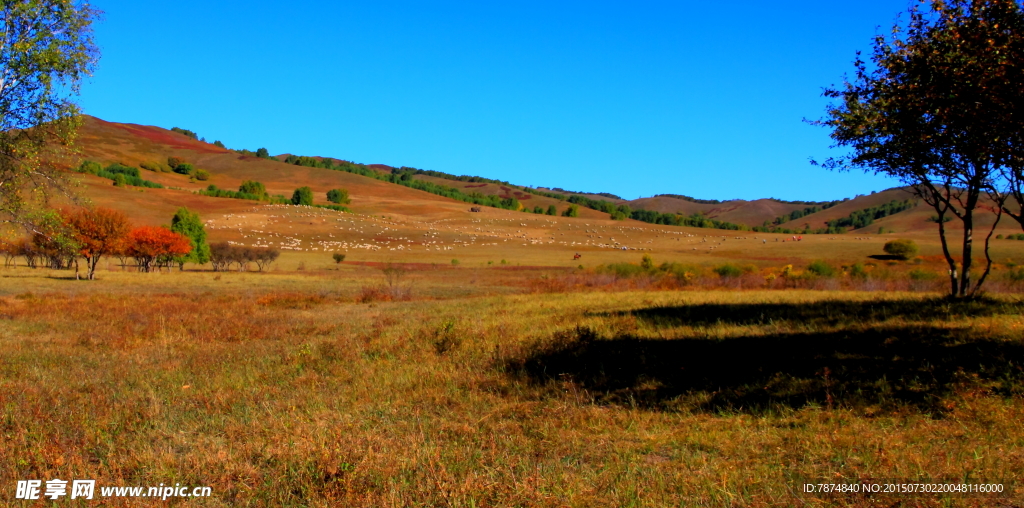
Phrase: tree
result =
(202, 174)
(218, 144)
(99, 232)
(302, 196)
(552, 210)
(572, 211)
(149, 244)
(46, 48)
(901, 248)
(262, 153)
(55, 240)
(187, 223)
(937, 110)
(252, 187)
(339, 196)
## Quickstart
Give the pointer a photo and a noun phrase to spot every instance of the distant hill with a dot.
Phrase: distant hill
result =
(133, 145)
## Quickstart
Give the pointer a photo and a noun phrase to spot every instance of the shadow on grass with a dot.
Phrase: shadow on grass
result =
(870, 369)
(827, 313)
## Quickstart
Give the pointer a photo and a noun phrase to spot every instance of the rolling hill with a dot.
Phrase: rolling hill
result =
(133, 145)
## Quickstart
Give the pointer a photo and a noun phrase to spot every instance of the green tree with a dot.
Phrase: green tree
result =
(339, 196)
(184, 168)
(303, 196)
(572, 211)
(262, 153)
(46, 48)
(552, 210)
(218, 144)
(901, 248)
(202, 174)
(188, 224)
(936, 109)
(252, 187)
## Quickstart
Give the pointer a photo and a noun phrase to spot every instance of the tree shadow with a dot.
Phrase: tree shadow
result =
(821, 313)
(887, 257)
(866, 368)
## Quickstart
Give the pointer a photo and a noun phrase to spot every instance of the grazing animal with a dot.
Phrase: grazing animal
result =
(475, 209)
(577, 256)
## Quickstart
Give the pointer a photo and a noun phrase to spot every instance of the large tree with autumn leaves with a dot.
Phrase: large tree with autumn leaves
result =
(939, 107)
(99, 232)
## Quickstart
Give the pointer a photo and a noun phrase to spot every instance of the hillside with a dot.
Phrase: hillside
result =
(418, 210)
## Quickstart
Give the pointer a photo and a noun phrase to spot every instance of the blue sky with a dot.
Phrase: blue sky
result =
(640, 98)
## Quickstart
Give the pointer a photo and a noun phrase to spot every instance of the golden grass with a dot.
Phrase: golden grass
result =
(280, 390)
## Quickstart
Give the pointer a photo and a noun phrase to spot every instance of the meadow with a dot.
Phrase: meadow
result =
(490, 385)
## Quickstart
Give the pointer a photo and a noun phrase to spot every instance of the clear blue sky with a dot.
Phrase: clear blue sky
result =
(697, 98)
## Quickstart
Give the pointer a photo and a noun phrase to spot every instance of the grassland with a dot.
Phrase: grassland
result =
(472, 359)
(494, 387)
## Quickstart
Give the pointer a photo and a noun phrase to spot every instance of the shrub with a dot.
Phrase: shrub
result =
(552, 210)
(622, 269)
(647, 263)
(223, 255)
(821, 269)
(252, 187)
(617, 215)
(921, 274)
(119, 180)
(184, 168)
(91, 167)
(186, 132)
(156, 167)
(455, 262)
(302, 196)
(999, 237)
(338, 257)
(174, 162)
(858, 271)
(901, 248)
(339, 196)
(202, 174)
(1016, 275)
(728, 270)
(572, 211)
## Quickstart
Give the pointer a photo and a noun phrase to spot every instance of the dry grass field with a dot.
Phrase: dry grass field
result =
(497, 387)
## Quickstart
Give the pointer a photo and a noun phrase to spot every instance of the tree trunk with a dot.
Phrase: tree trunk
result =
(954, 283)
(968, 219)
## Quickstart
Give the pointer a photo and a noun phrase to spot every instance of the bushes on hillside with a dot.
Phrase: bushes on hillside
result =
(223, 255)
(303, 196)
(339, 196)
(120, 174)
(252, 187)
(156, 167)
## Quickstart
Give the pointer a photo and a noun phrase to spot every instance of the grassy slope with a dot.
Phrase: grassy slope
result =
(432, 229)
